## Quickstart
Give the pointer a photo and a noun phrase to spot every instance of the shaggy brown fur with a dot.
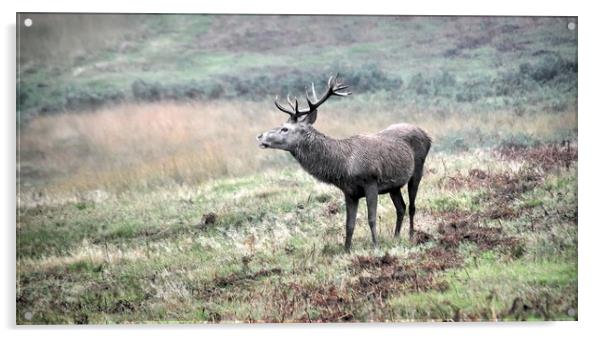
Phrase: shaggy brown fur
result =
(361, 166)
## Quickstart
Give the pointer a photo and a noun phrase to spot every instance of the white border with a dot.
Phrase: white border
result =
(508, 7)
(589, 181)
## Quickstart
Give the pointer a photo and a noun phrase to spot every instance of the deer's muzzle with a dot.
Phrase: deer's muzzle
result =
(262, 144)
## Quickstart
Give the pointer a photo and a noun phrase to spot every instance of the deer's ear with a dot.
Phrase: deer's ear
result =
(311, 117)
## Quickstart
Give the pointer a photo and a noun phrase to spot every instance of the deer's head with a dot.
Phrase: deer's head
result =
(296, 128)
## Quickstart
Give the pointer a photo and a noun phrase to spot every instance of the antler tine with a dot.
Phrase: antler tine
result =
(330, 81)
(284, 110)
(313, 91)
(340, 86)
(342, 93)
(290, 102)
(335, 81)
(335, 87)
(307, 98)
(337, 91)
(297, 112)
(315, 97)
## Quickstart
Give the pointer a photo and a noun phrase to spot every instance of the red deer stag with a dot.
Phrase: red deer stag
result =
(361, 165)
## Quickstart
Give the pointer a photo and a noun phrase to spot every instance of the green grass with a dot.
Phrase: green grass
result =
(140, 257)
(486, 288)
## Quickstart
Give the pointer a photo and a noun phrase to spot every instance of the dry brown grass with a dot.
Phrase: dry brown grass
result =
(129, 144)
(141, 145)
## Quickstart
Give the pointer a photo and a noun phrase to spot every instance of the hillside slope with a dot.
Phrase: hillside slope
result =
(492, 63)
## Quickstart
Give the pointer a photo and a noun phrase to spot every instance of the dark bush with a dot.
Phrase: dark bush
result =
(214, 90)
(474, 90)
(370, 78)
(146, 91)
(362, 79)
(88, 98)
(552, 71)
(442, 84)
(452, 52)
(512, 82)
(194, 90)
(549, 68)
(445, 79)
(419, 84)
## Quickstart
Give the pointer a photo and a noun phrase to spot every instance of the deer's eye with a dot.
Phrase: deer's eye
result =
(284, 130)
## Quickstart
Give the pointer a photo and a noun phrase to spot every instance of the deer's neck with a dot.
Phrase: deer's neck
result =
(323, 157)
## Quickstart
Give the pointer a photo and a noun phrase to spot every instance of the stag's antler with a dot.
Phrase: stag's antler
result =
(335, 87)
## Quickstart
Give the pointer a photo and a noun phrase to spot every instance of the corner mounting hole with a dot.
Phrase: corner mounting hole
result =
(28, 22)
(572, 26)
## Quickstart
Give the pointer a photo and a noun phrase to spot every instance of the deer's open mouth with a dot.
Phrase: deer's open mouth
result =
(263, 145)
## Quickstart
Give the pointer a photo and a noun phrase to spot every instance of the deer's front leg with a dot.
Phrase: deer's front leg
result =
(371, 192)
(351, 205)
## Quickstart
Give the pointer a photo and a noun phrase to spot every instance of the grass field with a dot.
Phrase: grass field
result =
(142, 196)
(267, 247)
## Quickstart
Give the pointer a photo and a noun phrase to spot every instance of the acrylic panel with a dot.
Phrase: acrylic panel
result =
(158, 181)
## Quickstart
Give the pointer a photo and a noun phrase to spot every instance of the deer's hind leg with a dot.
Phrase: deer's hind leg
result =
(412, 191)
(400, 207)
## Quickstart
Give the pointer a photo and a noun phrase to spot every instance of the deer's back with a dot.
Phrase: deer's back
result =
(416, 138)
(388, 156)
